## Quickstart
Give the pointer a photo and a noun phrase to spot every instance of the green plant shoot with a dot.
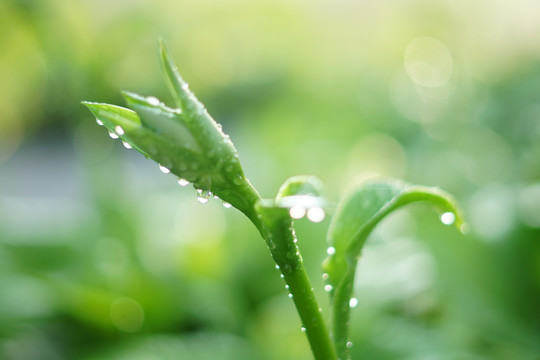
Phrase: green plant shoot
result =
(185, 141)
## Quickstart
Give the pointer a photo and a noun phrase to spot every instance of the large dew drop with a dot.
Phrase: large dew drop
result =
(297, 211)
(316, 214)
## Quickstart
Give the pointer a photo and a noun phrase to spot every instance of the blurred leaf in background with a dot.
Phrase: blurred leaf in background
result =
(104, 257)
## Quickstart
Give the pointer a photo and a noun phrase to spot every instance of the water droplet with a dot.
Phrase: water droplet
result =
(113, 135)
(126, 145)
(287, 287)
(303, 329)
(238, 180)
(448, 218)
(183, 182)
(328, 288)
(325, 276)
(316, 214)
(282, 276)
(226, 205)
(99, 122)
(297, 211)
(152, 100)
(202, 199)
(290, 296)
(353, 302)
(118, 129)
(349, 344)
(203, 196)
(464, 228)
(331, 250)
(277, 267)
(164, 169)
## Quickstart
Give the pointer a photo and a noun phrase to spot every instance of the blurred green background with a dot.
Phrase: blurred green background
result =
(104, 257)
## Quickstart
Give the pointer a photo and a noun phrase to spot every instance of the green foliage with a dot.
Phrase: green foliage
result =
(187, 142)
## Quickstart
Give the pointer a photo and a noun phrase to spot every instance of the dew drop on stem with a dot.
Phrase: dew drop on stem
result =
(349, 344)
(331, 250)
(127, 145)
(328, 288)
(303, 329)
(353, 302)
(325, 276)
(99, 122)
(290, 296)
(113, 135)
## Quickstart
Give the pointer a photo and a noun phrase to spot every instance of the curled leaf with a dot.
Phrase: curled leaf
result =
(357, 215)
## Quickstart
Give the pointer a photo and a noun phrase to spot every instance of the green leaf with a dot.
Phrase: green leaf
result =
(357, 215)
(364, 207)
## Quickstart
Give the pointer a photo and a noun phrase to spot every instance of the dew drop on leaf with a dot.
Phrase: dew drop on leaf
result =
(353, 302)
(226, 205)
(99, 122)
(316, 214)
(328, 288)
(290, 296)
(126, 145)
(448, 218)
(297, 211)
(202, 199)
(183, 182)
(238, 179)
(349, 344)
(118, 129)
(164, 169)
(113, 135)
(331, 250)
(303, 329)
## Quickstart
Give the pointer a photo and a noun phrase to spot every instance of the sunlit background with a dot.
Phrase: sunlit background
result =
(104, 257)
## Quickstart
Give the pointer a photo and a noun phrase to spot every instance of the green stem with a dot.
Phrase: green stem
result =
(341, 311)
(279, 235)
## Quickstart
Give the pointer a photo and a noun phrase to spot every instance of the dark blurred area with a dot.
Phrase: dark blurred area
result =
(104, 257)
